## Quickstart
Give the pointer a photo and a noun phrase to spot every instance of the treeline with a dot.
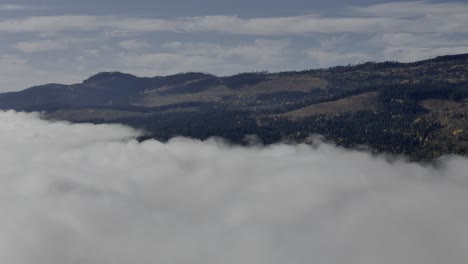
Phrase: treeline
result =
(423, 91)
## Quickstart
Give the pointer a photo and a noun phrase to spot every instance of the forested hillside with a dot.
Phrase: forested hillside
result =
(417, 109)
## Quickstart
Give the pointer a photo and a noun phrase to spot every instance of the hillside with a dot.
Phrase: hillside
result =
(418, 109)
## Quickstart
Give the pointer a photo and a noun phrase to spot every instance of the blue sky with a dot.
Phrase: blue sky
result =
(46, 41)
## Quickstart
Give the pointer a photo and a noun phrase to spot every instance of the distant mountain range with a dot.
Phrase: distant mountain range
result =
(418, 109)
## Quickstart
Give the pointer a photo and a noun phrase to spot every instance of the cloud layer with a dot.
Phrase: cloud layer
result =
(56, 45)
(411, 17)
(87, 194)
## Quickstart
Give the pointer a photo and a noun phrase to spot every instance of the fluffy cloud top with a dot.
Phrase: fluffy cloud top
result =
(88, 194)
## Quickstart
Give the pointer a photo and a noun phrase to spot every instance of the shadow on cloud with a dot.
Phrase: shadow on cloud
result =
(81, 193)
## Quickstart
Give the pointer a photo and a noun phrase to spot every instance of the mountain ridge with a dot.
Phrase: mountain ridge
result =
(417, 109)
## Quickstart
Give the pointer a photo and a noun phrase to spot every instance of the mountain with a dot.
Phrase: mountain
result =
(418, 109)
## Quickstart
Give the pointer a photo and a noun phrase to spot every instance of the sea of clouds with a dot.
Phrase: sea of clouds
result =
(82, 193)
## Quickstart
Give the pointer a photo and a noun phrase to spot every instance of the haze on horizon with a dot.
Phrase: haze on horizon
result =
(67, 41)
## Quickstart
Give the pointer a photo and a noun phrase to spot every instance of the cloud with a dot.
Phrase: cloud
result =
(325, 58)
(133, 44)
(15, 7)
(215, 58)
(41, 45)
(19, 72)
(172, 45)
(12, 7)
(62, 43)
(331, 52)
(411, 17)
(413, 9)
(87, 194)
(407, 47)
(220, 24)
(404, 31)
(68, 59)
(410, 54)
(421, 40)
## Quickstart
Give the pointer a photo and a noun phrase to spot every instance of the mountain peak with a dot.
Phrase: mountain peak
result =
(108, 76)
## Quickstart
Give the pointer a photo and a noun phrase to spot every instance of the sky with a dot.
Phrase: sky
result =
(89, 194)
(64, 41)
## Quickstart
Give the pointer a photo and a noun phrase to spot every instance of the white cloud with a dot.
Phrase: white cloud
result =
(133, 44)
(59, 43)
(81, 194)
(410, 54)
(15, 7)
(41, 45)
(412, 17)
(330, 58)
(11, 7)
(221, 24)
(46, 24)
(262, 54)
(410, 39)
(172, 45)
(19, 72)
(407, 47)
(414, 8)
(405, 31)
(332, 52)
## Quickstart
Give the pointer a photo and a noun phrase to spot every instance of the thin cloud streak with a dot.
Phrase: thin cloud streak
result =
(14, 7)
(11, 7)
(410, 17)
(41, 46)
(87, 194)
